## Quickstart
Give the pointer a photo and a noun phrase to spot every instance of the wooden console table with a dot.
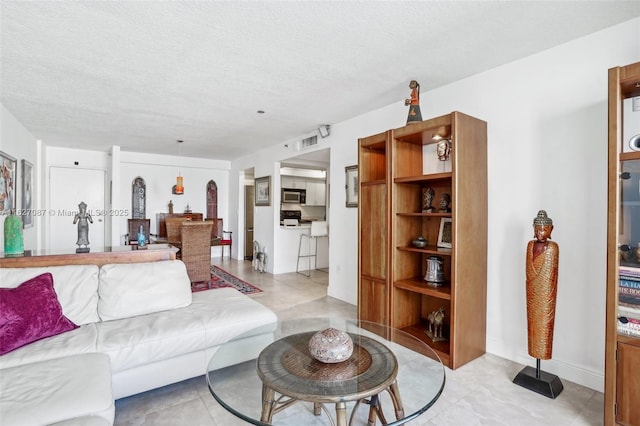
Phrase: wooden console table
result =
(97, 256)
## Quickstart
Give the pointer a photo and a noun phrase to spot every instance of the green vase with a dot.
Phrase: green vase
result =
(13, 239)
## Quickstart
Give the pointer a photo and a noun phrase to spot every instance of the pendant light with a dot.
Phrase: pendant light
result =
(179, 187)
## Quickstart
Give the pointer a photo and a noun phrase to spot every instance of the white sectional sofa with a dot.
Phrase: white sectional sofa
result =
(140, 327)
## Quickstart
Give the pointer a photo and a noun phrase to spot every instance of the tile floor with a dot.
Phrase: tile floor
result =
(478, 393)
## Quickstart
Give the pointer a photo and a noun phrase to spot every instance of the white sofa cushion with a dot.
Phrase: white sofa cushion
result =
(226, 313)
(80, 340)
(133, 342)
(57, 390)
(214, 317)
(75, 285)
(131, 289)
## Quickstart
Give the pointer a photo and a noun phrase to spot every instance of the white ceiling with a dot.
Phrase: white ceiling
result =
(143, 74)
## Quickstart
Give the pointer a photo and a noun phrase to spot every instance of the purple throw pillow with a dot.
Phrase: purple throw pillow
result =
(30, 312)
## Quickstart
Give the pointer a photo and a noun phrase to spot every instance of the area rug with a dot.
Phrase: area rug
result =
(221, 278)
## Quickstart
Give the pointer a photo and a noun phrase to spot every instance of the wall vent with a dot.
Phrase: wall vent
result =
(309, 142)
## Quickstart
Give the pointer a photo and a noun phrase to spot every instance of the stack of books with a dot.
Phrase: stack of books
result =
(629, 301)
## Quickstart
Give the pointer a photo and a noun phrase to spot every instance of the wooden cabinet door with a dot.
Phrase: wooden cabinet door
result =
(372, 302)
(628, 385)
(373, 231)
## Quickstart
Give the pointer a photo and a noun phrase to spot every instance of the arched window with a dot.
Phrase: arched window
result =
(212, 200)
(138, 198)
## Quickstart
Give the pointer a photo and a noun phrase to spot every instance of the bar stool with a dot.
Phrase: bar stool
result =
(319, 229)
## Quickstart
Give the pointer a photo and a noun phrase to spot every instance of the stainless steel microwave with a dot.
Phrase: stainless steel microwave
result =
(292, 195)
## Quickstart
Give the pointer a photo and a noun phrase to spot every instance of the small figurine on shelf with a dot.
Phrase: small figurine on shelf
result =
(187, 209)
(82, 218)
(427, 199)
(443, 149)
(436, 322)
(414, 103)
(170, 207)
(445, 201)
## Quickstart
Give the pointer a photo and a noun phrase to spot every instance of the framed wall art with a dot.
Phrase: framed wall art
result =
(351, 185)
(8, 166)
(263, 191)
(27, 194)
(445, 234)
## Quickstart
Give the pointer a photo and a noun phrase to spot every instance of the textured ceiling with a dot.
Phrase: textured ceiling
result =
(144, 74)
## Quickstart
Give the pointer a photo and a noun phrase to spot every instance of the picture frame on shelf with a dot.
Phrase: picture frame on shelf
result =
(27, 194)
(445, 234)
(8, 166)
(351, 185)
(263, 191)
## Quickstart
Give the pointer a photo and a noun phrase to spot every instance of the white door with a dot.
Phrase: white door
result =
(68, 188)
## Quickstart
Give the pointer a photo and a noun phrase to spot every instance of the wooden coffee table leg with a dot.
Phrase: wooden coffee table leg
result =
(394, 391)
(375, 410)
(268, 402)
(317, 408)
(341, 413)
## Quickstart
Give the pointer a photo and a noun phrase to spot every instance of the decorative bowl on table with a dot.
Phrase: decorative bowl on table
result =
(331, 346)
(419, 242)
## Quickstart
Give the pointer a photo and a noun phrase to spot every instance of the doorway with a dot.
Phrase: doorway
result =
(249, 196)
(68, 188)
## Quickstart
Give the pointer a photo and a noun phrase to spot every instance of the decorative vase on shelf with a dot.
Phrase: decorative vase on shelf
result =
(13, 237)
(331, 346)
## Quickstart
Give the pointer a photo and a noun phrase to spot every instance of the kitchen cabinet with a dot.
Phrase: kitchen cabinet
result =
(316, 192)
(295, 182)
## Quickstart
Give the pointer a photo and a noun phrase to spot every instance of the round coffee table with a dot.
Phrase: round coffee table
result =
(284, 385)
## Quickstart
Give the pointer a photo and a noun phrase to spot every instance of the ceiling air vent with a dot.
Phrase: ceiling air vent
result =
(309, 142)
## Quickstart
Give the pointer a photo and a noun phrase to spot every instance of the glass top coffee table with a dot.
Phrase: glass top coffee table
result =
(383, 382)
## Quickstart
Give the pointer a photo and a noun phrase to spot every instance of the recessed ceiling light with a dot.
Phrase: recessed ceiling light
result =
(260, 111)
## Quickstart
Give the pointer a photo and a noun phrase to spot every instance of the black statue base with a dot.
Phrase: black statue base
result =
(544, 383)
(82, 250)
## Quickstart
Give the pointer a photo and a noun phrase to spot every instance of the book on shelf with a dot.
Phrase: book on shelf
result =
(629, 282)
(629, 327)
(628, 332)
(630, 270)
(629, 311)
(629, 295)
(629, 273)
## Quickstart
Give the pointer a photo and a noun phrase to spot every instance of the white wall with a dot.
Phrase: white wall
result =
(159, 173)
(18, 142)
(547, 131)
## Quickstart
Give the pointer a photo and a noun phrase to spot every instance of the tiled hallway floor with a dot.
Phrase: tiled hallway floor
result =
(478, 393)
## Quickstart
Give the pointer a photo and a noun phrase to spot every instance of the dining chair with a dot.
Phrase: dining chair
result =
(173, 229)
(133, 227)
(196, 249)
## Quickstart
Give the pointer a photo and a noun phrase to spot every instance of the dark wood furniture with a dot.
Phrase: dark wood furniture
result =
(395, 168)
(97, 256)
(133, 228)
(622, 352)
(219, 237)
